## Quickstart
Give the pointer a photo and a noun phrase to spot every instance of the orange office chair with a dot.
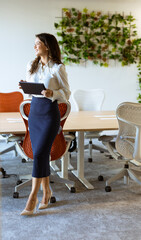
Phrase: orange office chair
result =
(9, 102)
(59, 148)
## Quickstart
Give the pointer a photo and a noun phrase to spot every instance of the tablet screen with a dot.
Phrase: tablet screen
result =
(32, 88)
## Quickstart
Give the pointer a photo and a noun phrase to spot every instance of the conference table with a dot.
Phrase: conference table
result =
(80, 122)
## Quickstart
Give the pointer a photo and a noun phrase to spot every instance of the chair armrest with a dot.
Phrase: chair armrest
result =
(15, 138)
(69, 137)
(22, 110)
(105, 138)
(67, 112)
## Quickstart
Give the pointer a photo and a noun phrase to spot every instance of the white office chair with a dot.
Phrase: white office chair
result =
(128, 143)
(90, 100)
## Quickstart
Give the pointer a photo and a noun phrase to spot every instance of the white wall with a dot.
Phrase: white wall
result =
(20, 20)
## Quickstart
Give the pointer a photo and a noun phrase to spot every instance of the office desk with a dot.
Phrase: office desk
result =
(77, 121)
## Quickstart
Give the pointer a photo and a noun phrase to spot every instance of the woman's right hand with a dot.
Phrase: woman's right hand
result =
(21, 81)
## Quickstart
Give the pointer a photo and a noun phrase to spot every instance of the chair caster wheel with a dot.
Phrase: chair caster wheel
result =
(108, 189)
(52, 200)
(23, 160)
(72, 190)
(15, 195)
(4, 175)
(100, 178)
(19, 182)
(51, 181)
(90, 159)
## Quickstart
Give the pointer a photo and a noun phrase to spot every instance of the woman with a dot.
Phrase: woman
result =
(44, 117)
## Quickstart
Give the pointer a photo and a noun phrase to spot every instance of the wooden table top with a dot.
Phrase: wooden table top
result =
(76, 121)
(91, 121)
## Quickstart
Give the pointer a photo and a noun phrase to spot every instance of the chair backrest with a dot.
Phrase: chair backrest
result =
(59, 144)
(128, 142)
(88, 100)
(26, 145)
(10, 102)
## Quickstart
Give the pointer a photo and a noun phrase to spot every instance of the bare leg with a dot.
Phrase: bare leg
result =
(33, 195)
(46, 190)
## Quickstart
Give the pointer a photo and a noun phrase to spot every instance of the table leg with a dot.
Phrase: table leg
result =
(64, 172)
(54, 166)
(79, 173)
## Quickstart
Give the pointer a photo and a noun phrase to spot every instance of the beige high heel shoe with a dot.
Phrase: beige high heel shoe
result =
(45, 205)
(27, 213)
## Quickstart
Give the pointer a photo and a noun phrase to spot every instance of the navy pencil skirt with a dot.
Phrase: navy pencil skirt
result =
(44, 123)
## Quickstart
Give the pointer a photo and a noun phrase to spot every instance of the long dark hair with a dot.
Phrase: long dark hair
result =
(54, 53)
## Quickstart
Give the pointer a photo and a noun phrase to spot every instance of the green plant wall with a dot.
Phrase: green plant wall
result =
(93, 36)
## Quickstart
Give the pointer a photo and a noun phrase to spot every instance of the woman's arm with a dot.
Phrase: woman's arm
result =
(63, 93)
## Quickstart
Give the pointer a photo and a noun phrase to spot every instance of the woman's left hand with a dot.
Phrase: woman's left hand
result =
(47, 93)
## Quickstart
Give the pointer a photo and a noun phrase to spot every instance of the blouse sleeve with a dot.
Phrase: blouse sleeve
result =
(28, 75)
(63, 93)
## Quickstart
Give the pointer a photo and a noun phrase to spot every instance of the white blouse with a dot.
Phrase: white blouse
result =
(54, 77)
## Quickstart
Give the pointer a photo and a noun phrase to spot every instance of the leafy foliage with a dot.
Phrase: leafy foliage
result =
(99, 38)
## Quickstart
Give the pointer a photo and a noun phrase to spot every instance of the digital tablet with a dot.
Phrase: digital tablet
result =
(32, 88)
